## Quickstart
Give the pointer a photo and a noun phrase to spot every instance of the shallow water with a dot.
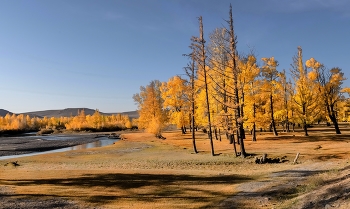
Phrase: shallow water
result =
(103, 141)
(53, 137)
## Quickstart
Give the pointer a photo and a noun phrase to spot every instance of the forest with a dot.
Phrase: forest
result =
(225, 91)
(13, 124)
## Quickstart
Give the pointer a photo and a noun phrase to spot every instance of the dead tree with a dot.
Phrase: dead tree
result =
(190, 71)
(234, 57)
(199, 45)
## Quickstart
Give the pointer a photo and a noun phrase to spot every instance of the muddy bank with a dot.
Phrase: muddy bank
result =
(26, 145)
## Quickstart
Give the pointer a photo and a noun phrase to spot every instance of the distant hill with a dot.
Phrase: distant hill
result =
(131, 114)
(74, 112)
(4, 112)
(60, 113)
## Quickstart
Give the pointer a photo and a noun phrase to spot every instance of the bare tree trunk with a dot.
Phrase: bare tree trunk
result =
(183, 130)
(241, 143)
(331, 114)
(191, 74)
(193, 134)
(203, 57)
(304, 121)
(335, 123)
(272, 117)
(233, 51)
(232, 138)
(254, 125)
(254, 133)
(305, 129)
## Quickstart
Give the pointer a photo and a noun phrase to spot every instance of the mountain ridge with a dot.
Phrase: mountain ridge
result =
(67, 112)
(4, 112)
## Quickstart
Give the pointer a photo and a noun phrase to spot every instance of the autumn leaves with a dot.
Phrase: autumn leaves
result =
(96, 122)
(235, 92)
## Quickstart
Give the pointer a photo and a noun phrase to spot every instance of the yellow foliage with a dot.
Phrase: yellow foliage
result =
(312, 75)
(150, 108)
(312, 63)
(77, 123)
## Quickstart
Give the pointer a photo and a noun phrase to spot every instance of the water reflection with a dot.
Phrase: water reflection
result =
(103, 141)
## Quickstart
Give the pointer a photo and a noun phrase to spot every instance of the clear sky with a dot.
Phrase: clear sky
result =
(96, 54)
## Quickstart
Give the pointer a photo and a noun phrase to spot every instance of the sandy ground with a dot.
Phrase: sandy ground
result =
(144, 172)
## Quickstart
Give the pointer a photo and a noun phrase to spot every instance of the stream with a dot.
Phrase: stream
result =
(103, 141)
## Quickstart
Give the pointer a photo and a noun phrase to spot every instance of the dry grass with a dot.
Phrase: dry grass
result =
(144, 172)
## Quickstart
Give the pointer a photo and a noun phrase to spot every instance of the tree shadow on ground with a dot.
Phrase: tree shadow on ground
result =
(263, 193)
(10, 201)
(315, 138)
(138, 187)
(269, 193)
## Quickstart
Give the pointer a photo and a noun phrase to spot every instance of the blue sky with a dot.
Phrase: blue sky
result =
(96, 54)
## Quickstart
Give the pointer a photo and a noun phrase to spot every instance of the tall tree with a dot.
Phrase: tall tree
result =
(233, 55)
(220, 76)
(329, 86)
(191, 73)
(306, 96)
(174, 93)
(270, 74)
(250, 87)
(198, 44)
(284, 112)
(153, 117)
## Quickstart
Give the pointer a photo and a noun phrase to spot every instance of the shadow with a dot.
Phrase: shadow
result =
(265, 193)
(331, 156)
(133, 186)
(312, 138)
(251, 154)
(34, 201)
(296, 173)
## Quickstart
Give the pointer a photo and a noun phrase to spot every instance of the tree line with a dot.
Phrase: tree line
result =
(82, 122)
(231, 92)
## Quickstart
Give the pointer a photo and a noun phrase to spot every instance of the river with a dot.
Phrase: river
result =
(102, 141)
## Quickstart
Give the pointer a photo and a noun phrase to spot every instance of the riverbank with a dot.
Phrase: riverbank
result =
(142, 171)
(19, 145)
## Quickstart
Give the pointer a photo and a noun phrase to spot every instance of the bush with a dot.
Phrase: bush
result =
(45, 131)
